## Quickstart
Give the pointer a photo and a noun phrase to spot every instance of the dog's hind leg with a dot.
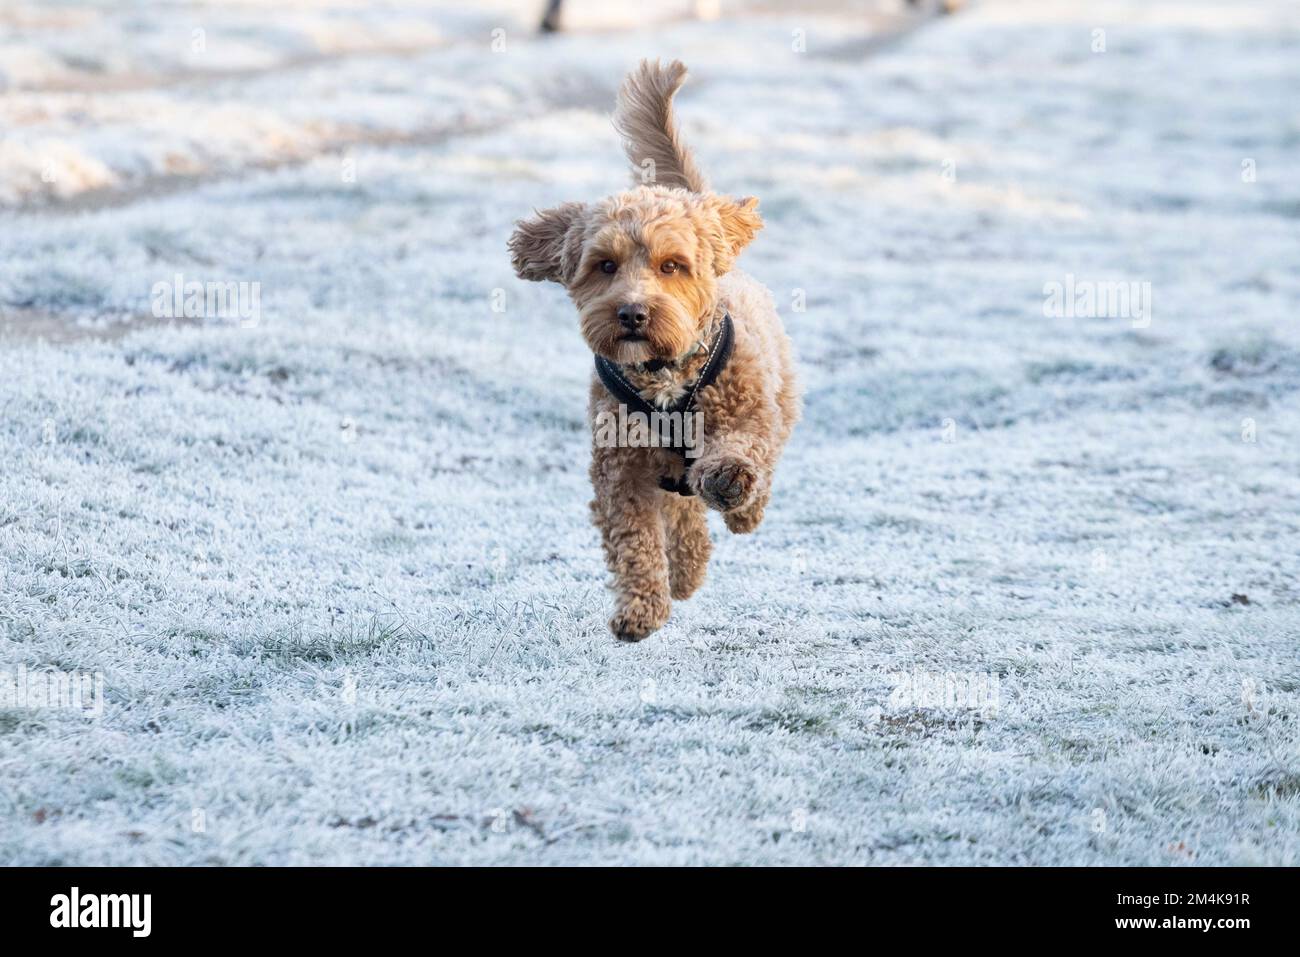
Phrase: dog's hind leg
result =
(689, 547)
(745, 519)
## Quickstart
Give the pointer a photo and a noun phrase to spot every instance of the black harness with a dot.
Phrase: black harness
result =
(621, 389)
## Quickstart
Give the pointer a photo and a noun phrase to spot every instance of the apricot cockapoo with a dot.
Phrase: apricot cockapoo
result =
(677, 332)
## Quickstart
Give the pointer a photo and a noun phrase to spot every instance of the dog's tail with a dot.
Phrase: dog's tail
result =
(645, 119)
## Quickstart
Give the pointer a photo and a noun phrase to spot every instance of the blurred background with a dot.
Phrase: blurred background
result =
(326, 537)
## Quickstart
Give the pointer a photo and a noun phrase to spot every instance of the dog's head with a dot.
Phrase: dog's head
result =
(642, 266)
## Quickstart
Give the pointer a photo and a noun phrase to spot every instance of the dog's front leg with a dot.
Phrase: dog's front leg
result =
(627, 511)
(734, 476)
(742, 438)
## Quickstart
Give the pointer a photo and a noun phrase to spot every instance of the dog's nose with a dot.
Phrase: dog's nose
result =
(633, 316)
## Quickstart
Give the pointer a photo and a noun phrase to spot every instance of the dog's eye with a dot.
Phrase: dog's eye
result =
(608, 266)
(669, 267)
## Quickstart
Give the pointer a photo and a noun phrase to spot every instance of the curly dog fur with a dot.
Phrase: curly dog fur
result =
(650, 271)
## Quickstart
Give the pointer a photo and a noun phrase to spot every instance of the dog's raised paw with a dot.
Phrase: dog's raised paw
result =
(637, 617)
(728, 486)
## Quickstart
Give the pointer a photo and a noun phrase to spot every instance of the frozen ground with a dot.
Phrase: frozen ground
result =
(335, 566)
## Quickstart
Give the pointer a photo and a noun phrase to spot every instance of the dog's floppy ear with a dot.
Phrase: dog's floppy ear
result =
(738, 223)
(546, 246)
